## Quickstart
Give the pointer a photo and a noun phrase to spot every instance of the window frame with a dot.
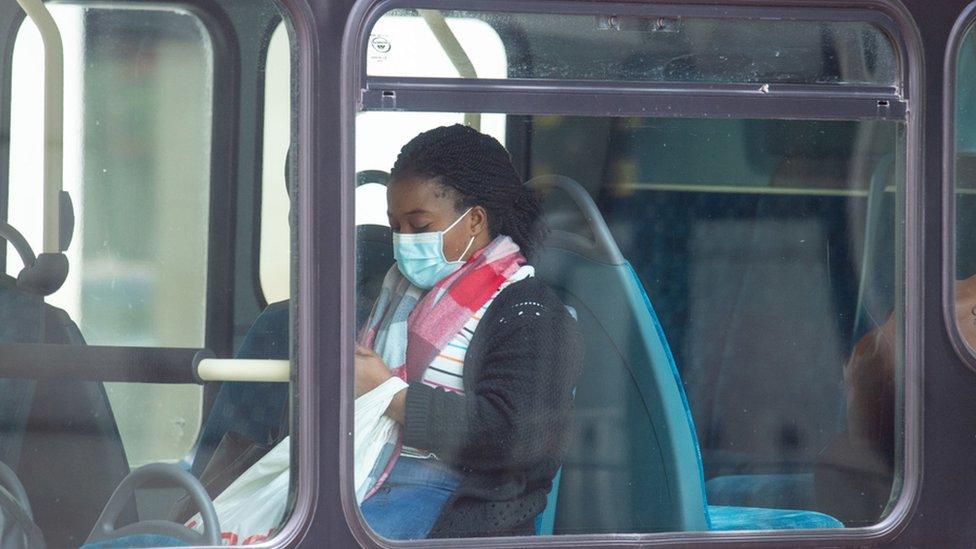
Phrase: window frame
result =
(589, 97)
(224, 156)
(218, 330)
(360, 92)
(963, 26)
(309, 415)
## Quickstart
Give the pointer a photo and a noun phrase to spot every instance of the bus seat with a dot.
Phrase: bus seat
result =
(374, 252)
(855, 475)
(876, 288)
(545, 522)
(374, 257)
(729, 371)
(60, 437)
(778, 490)
(136, 541)
(633, 464)
(722, 518)
(257, 411)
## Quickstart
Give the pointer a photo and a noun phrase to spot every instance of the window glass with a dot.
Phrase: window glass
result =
(121, 353)
(726, 287)
(760, 255)
(374, 154)
(275, 249)
(621, 47)
(965, 186)
(137, 166)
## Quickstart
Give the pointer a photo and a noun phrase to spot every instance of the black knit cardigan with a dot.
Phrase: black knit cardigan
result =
(506, 434)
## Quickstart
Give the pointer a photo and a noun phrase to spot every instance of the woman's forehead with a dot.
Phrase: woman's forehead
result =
(417, 194)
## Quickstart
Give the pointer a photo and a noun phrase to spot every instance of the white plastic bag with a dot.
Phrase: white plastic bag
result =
(252, 507)
(375, 432)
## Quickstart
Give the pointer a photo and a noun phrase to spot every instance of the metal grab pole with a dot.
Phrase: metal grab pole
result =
(459, 58)
(53, 120)
(242, 369)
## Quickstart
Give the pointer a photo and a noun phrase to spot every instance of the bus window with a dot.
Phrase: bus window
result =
(772, 239)
(418, 51)
(965, 188)
(619, 47)
(733, 280)
(151, 384)
(137, 166)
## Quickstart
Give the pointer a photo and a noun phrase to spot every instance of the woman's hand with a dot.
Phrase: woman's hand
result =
(370, 371)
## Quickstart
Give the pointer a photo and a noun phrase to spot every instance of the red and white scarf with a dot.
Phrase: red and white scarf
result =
(409, 328)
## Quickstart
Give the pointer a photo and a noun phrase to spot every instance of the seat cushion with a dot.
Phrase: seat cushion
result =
(779, 491)
(57, 433)
(135, 541)
(756, 518)
(257, 411)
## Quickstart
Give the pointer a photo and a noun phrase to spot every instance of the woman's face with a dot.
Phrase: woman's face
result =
(421, 205)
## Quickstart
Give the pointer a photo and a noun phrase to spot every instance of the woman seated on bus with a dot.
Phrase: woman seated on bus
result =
(490, 353)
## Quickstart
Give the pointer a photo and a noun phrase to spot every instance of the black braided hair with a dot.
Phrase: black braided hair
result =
(479, 172)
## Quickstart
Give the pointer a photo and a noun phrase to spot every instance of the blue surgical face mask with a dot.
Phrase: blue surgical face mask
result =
(420, 256)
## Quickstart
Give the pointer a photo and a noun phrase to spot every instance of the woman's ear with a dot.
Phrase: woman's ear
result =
(479, 220)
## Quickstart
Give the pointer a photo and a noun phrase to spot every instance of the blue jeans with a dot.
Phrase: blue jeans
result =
(411, 499)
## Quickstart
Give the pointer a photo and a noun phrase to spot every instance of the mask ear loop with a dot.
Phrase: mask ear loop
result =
(458, 220)
(445, 231)
(466, 248)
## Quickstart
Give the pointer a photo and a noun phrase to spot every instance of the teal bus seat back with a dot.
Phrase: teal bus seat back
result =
(259, 411)
(545, 522)
(632, 464)
(136, 541)
(59, 436)
(256, 411)
(21, 321)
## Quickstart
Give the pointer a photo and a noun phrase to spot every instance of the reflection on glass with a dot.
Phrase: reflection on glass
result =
(275, 250)
(617, 47)
(759, 254)
(965, 188)
(137, 166)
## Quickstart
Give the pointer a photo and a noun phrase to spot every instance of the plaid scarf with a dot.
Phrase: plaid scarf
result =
(408, 328)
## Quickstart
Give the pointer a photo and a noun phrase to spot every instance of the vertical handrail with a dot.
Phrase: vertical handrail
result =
(455, 52)
(53, 120)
